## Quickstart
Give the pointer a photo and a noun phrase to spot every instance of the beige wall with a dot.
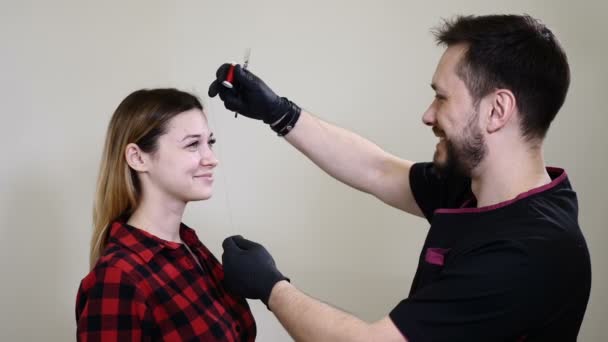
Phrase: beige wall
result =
(365, 65)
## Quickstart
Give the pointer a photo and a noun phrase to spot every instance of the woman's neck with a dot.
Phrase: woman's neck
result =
(160, 218)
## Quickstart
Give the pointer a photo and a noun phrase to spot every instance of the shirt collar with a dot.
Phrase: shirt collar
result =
(147, 245)
(558, 178)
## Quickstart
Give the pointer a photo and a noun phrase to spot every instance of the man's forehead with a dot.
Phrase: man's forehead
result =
(453, 55)
(446, 67)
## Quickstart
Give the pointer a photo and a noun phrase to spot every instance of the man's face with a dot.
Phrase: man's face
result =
(454, 118)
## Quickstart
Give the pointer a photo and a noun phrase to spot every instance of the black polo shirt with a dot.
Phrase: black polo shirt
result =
(515, 271)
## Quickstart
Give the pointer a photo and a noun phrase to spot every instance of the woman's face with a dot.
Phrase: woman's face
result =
(182, 167)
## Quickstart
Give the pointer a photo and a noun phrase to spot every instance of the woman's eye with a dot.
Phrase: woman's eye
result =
(211, 142)
(193, 145)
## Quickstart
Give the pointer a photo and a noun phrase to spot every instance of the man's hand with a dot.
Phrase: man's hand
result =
(249, 270)
(251, 97)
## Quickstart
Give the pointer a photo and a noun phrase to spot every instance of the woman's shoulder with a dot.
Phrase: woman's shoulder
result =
(117, 264)
(111, 281)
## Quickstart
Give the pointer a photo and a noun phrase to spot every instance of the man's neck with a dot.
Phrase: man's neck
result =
(504, 178)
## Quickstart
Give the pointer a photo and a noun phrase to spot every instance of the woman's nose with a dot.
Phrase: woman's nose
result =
(208, 158)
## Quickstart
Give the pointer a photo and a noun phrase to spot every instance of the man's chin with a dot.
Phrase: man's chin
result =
(444, 166)
(439, 160)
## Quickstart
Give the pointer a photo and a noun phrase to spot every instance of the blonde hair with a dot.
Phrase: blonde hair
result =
(140, 118)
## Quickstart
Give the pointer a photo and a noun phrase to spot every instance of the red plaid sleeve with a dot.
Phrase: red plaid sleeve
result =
(109, 307)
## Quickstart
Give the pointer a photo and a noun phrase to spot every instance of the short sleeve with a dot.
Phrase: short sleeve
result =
(109, 307)
(485, 295)
(432, 192)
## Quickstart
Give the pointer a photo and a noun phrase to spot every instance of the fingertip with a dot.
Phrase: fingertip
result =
(243, 243)
(239, 71)
(222, 71)
(212, 92)
(238, 240)
(228, 242)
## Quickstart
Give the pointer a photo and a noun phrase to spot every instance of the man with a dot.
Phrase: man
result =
(504, 259)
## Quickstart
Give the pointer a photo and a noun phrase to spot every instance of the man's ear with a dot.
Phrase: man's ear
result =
(502, 109)
(136, 158)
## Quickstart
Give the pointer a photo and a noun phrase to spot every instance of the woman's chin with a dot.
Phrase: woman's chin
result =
(200, 197)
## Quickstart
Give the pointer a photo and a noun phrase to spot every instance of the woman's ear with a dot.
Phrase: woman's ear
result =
(503, 107)
(136, 158)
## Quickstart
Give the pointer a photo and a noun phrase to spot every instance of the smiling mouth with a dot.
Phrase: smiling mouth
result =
(438, 133)
(441, 140)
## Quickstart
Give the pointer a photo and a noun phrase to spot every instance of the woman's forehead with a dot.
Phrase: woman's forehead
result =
(189, 122)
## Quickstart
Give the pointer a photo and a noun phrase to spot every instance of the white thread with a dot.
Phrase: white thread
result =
(224, 178)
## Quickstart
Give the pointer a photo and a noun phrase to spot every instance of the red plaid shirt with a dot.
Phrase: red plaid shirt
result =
(146, 288)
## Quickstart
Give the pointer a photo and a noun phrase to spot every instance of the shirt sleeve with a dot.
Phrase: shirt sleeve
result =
(490, 294)
(432, 192)
(109, 307)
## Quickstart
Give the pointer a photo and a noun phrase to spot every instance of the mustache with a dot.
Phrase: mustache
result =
(438, 132)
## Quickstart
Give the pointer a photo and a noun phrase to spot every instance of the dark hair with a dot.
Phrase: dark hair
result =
(515, 52)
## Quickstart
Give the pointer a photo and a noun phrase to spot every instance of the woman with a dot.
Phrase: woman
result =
(151, 277)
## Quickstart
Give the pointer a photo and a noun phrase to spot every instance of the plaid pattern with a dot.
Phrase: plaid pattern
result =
(147, 289)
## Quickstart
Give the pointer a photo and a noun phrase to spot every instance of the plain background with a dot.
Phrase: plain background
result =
(365, 65)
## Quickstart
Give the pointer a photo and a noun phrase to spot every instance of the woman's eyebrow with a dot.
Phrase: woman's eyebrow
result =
(191, 136)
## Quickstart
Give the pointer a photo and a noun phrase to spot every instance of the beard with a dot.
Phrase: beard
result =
(464, 153)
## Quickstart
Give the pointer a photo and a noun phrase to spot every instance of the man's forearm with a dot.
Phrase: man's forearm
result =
(355, 161)
(344, 155)
(307, 319)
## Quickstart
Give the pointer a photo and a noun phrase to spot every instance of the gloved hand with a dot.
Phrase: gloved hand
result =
(251, 97)
(249, 270)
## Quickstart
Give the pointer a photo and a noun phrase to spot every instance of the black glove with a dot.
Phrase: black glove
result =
(249, 270)
(251, 97)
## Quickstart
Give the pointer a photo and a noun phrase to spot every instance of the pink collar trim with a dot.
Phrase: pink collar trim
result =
(551, 170)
